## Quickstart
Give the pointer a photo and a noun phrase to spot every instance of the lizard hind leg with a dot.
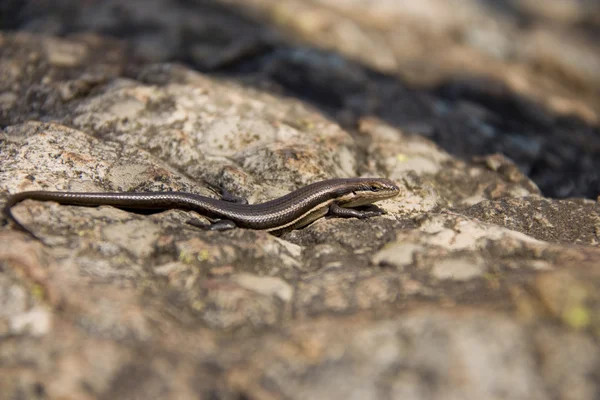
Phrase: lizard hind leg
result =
(218, 225)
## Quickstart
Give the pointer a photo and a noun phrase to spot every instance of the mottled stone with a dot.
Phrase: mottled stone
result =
(472, 285)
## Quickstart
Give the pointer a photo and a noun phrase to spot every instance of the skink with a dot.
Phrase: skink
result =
(293, 210)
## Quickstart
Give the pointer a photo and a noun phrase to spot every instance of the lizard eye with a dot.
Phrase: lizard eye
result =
(374, 188)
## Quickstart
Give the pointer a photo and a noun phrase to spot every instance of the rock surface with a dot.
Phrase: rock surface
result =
(473, 285)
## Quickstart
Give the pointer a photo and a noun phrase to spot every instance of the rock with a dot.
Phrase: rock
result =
(475, 283)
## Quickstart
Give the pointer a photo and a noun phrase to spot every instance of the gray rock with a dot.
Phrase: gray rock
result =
(471, 286)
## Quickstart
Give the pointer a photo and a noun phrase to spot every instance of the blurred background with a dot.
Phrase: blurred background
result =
(477, 77)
